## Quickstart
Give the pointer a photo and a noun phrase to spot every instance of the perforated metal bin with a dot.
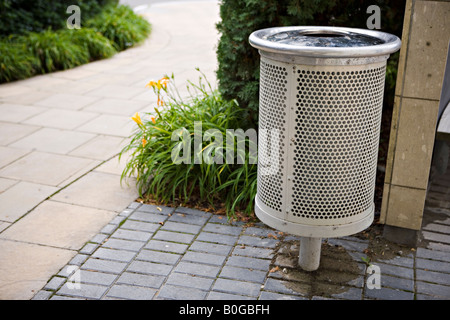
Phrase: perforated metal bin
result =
(321, 94)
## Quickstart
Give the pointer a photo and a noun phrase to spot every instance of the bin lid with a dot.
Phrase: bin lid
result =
(324, 42)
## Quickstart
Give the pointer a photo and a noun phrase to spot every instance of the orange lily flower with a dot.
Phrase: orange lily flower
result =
(144, 142)
(137, 119)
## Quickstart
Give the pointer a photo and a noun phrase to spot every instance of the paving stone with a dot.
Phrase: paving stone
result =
(113, 254)
(104, 265)
(174, 236)
(388, 294)
(180, 293)
(216, 248)
(140, 226)
(89, 248)
(98, 190)
(257, 242)
(159, 257)
(265, 295)
(9, 155)
(79, 259)
(99, 238)
(215, 295)
(433, 265)
(144, 280)
(149, 268)
(99, 148)
(219, 228)
(432, 254)
(57, 297)
(131, 235)
(131, 292)
(117, 220)
(287, 287)
(397, 271)
(54, 283)
(189, 219)
(397, 283)
(134, 205)
(42, 295)
(436, 237)
(123, 244)
(217, 238)
(197, 269)
(432, 276)
(95, 277)
(166, 246)
(259, 232)
(191, 211)
(432, 289)
(87, 291)
(202, 257)
(109, 228)
(66, 101)
(253, 252)
(239, 287)
(151, 208)
(243, 274)
(14, 205)
(59, 225)
(191, 281)
(181, 227)
(148, 217)
(61, 119)
(248, 262)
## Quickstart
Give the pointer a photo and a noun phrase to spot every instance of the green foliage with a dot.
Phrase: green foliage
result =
(31, 53)
(155, 161)
(22, 16)
(54, 50)
(16, 62)
(238, 72)
(121, 25)
(93, 42)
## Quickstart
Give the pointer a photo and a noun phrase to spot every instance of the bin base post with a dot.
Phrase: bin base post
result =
(309, 255)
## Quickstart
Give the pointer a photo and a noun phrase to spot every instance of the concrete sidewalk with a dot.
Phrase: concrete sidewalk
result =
(60, 134)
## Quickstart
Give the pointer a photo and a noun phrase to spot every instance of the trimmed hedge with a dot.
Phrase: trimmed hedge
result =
(22, 16)
(238, 72)
(31, 53)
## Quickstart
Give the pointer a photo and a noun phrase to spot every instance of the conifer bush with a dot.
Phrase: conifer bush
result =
(238, 72)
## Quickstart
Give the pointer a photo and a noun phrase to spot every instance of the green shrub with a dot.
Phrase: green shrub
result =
(156, 155)
(55, 50)
(24, 55)
(93, 42)
(16, 61)
(238, 72)
(120, 25)
(22, 16)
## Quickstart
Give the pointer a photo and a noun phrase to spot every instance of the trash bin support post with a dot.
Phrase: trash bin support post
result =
(309, 255)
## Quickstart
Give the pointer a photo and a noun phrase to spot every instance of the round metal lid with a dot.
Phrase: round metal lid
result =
(323, 42)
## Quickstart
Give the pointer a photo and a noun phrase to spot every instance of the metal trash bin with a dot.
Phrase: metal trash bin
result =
(321, 94)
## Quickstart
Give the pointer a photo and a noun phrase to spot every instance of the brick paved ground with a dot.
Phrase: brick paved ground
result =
(182, 253)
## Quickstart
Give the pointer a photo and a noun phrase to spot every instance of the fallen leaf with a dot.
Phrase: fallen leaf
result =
(161, 223)
(159, 209)
(272, 236)
(274, 269)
